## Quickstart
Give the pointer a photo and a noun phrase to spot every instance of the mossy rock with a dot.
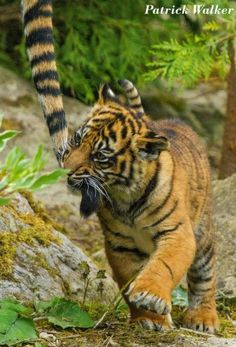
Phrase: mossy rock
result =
(37, 261)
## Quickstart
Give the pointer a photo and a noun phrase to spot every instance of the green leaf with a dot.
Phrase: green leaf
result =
(7, 318)
(21, 330)
(180, 296)
(6, 136)
(13, 157)
(42, 306)
(47, 179)
(66, 313)
(14, 305)
(39, 160)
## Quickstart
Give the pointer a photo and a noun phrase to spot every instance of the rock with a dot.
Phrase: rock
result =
(21, 111)
(225, 223)
(37, 261)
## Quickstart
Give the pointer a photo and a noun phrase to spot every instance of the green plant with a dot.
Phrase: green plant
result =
(17, 322)
(84, 266)
(195, 57)
(95, 43)
(18, 172)
(180, 296)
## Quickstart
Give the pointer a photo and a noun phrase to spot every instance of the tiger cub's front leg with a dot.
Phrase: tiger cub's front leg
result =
(152, 288)
(126, 264)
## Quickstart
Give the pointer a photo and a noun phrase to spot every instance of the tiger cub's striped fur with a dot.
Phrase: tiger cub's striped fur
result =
(149, 183)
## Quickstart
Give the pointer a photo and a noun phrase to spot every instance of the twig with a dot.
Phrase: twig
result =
(116, 302)
(69, 337)
(36, 319)
(101, 319)
(196, 332)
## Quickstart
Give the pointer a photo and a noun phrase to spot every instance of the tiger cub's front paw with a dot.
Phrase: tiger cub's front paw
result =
(152, 297)
(159, 323)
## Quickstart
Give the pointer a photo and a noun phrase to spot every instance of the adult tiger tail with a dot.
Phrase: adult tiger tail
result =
(37, 19)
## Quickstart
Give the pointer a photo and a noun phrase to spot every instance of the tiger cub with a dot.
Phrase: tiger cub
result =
(148, 182)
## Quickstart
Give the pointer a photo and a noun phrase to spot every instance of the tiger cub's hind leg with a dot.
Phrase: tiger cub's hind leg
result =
(201, 314)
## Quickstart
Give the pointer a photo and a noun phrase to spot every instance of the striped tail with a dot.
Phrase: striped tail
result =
(132, 95)
(37, 17)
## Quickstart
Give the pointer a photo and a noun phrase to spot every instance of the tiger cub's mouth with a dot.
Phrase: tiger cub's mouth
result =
(92, 192)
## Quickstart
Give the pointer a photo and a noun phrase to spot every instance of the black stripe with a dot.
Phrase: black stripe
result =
(129, 90)
(112, 135)
(136, 105)
(168, 214)
(57, 128)
(29, 17)
(56, 121)
(131, 126)
(35, 12)
(208, 255)
(47, 74)
(123, 178)
(199, 279)
(158, 208)
(48, 90)
(122, 166)
(135, 251)
(168, 268)
(133, 97)
(101, 120)
(115, 233)
(149, 188)
(159, 234)
(124, 132)
(39, 36)
(123, 149)
(196, 290)
(45, 57)
(131, 163)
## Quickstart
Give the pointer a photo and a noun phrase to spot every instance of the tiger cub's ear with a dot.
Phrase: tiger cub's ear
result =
(151, 145)
(106, 94)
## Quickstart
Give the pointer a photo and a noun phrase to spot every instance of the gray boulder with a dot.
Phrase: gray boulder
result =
(37, 261)
(225, 224)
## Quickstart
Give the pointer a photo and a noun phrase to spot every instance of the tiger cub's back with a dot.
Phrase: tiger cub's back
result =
(189, 153)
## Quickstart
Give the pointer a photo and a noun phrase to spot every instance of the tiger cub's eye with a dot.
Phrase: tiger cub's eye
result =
(100, 156)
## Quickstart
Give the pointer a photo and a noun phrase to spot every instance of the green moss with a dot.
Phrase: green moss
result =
(41, 211)
(37, 229)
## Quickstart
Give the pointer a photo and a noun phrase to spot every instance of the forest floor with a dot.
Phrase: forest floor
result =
(115, 330)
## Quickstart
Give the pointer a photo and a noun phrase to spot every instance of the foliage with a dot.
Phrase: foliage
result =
(96, 42)
(198, 56)
(65, 314)
(180, 296)
(14, 326)
(18, 172)
(17, 322)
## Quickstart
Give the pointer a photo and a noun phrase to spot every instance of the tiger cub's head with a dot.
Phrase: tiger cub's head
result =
(114, 153)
